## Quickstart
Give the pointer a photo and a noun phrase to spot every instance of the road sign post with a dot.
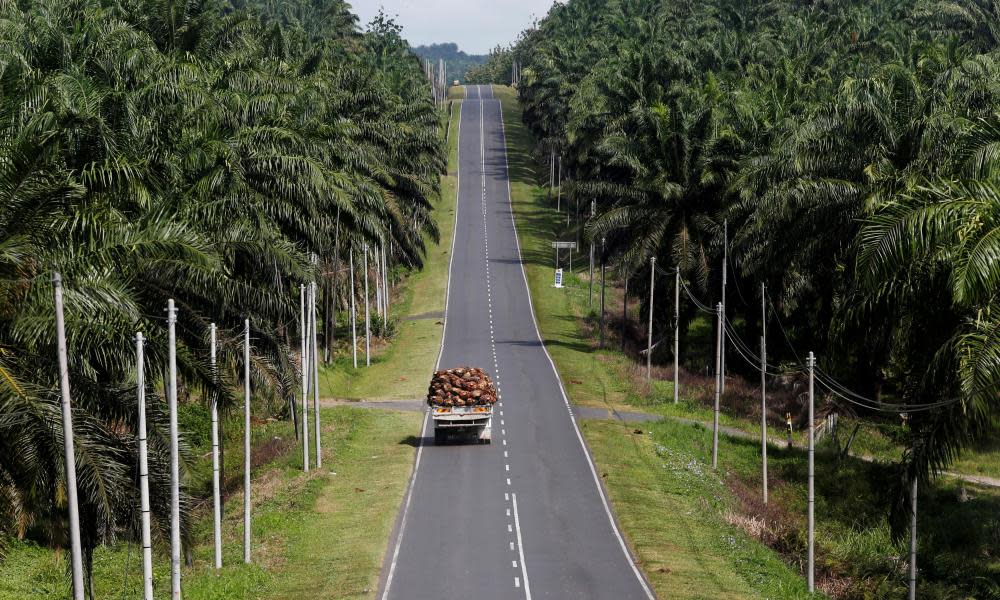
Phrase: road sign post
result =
(557, 246)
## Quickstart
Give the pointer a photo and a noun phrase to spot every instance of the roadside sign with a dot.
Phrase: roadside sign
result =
(563, 245)
(559, 278)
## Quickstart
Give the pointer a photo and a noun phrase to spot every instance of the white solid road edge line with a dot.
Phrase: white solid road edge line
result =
(520, 548)
(447, 299)
(562, 389)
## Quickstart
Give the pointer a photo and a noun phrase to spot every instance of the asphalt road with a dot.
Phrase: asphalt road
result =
(524, 517)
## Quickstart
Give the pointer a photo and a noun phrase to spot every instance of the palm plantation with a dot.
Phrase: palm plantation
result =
(222, 153)
(201, 152)
(852, 148)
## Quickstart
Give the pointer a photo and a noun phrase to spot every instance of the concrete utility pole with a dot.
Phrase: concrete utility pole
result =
(368, 330)
(304, 364)
(601, 341)
(385, 279)
(677, 334)
(314, 355)
(147, 543)
(216, 475)
(552, 170)
(725, 272)
(649, 331)
(175, 490)
(593, 209)
(763, 389)
(246, 441)
(913, 538)
(354, 313)
(378, 281)
(624, 312)
(812, 478)
(718, 388)
(76, 548)
(559, 186)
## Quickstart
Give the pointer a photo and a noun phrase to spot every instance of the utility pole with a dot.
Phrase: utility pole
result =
(624, 312)
(763, 388)
(304, 363)
(246, 441)
(175, 490)
(913, 538)
(354, 313)
(378, 281)
(314, 355)
(725, 272)
(601, 341)
(593, 208)
(147, 543)
(718, 390)
(677, 334)
(216, 483)
(812, 478)
(649, 330)
(76, 548)
(559, 186)
(385, 280)
(552, 169)
(368, 331)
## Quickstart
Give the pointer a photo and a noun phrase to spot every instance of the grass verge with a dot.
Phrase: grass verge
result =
(315, 535)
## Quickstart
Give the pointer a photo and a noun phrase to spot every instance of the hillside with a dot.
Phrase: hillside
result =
(458, 62)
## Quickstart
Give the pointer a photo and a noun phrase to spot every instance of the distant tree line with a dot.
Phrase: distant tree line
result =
(458, 63)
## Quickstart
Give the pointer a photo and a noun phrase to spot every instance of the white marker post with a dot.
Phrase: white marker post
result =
(216, 475)
(76, 548)
(147, 544)
(175, 491)
(246, 441)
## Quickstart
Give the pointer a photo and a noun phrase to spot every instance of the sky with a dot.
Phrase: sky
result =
(477, 26)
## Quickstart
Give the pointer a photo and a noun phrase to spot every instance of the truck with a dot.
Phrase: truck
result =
(461, 404)
(462, 421)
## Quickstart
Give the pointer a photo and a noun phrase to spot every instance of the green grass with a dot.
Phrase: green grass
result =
(694, 531)
(669, 514)
(316, 535)
(669, 503)
(402, 368)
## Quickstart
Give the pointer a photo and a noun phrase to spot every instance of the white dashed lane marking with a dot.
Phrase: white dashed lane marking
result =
(496, 368)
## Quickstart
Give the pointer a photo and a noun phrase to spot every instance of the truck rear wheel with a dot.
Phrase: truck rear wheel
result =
(438, 436)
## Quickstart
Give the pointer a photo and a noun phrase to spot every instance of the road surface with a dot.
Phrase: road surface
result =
(524, 517)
